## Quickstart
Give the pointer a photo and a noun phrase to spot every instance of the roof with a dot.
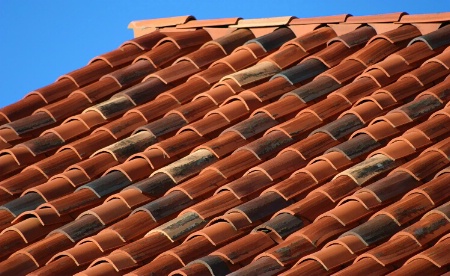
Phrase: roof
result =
(244, 146)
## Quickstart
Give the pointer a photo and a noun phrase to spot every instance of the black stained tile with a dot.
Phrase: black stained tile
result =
(283, 224)
(113, 107)
(376, 230)
(133, 73)
(269, 144)
(154, 186)
(235, 39)
(315, 89)
(356, 146)
(182, 226)
(356, 37)
(393, 185)
(421, 106)
(27, 202)
(44, 143)
(216, 265)
(303, 71)
(146, 91)
(31, 123)
(165, 125)
(107, 184)
(167, 205)
(274, 39)
(126, 147)
(341, 127)
(81, 228)
(436, 39)
(254, 125)
(262, 206)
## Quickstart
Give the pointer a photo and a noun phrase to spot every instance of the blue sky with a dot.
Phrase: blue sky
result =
(41, 40)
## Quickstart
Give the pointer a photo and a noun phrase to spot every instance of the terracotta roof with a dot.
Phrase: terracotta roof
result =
(244, 146)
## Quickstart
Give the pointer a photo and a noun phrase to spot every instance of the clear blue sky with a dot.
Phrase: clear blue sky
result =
(41, 40)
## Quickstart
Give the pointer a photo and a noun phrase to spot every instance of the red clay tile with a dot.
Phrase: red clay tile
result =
(192, 249)
(237, 220)
(80, 200)
(100, 269)
(119, 57)
(53, 189)
(293, 186)
(207, 181)
(326, 109)
(180, 143)
(255, 48)
(187, 39)
(204, 56)
(232, 40)
(289, 251)
(356, 37)
(11, 242)
(419, 266)
(218, 233)
(238, 60)
(91, 72)
(374, 52)
(235, 164)
(312, 145)
(164, 55)
(209, 209)
(309, 268)
(89, 168)
(177, 73)
(331, 258)
(252, 126)
(279, 166)
(429, 72)
(52, 92)
(15, 184)
(162, 265)
(271, 89)
(24, 107)
(360, 267)
(300, 125)
(214, 73)
(224, 144)
(346, 71)
(282, 108)
(145, 42)
(18, 264)
(333, 55)
(286, 57)
(239, 251)
(104, 214)
(131, 74)
(192, 269)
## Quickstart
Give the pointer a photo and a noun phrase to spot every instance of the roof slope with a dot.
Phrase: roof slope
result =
(231, 146)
